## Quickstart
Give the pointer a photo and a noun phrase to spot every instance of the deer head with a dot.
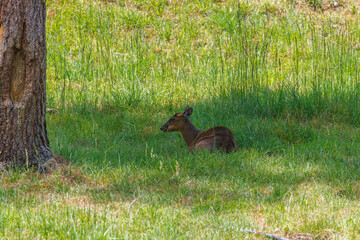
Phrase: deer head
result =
(178, 121)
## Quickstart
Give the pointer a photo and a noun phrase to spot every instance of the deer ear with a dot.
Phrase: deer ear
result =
(188, 111)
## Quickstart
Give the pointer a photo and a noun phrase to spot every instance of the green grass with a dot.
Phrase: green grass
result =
(284, 81)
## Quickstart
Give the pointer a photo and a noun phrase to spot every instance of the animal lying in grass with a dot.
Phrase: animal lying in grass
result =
(218, 138)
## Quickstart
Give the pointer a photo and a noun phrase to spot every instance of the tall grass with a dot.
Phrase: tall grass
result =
(272, 61)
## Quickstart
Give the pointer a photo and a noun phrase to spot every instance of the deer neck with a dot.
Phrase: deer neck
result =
(189, 133)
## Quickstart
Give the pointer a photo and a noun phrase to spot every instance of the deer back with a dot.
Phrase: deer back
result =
(215, 138)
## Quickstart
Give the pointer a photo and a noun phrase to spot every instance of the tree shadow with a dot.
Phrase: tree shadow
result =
(280, 149)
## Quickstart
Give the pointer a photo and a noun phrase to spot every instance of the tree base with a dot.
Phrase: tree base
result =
(49, 166)
(53, 164)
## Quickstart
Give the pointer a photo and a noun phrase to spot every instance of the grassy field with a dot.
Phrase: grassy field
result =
(283, 75)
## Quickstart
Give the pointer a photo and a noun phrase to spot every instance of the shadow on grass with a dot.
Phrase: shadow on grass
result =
(282, 145)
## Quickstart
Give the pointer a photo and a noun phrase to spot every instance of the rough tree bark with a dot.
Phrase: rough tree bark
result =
(23, 136)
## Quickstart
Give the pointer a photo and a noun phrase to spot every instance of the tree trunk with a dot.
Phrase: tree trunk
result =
(23, 136)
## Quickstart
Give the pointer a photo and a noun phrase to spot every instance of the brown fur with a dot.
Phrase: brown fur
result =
(215, 138)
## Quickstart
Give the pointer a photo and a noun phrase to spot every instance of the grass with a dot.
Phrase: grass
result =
(285, 81)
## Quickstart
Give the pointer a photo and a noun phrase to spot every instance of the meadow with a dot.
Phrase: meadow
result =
(283, 75)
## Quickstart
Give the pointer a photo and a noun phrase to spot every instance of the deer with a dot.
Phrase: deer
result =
(216, 138)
